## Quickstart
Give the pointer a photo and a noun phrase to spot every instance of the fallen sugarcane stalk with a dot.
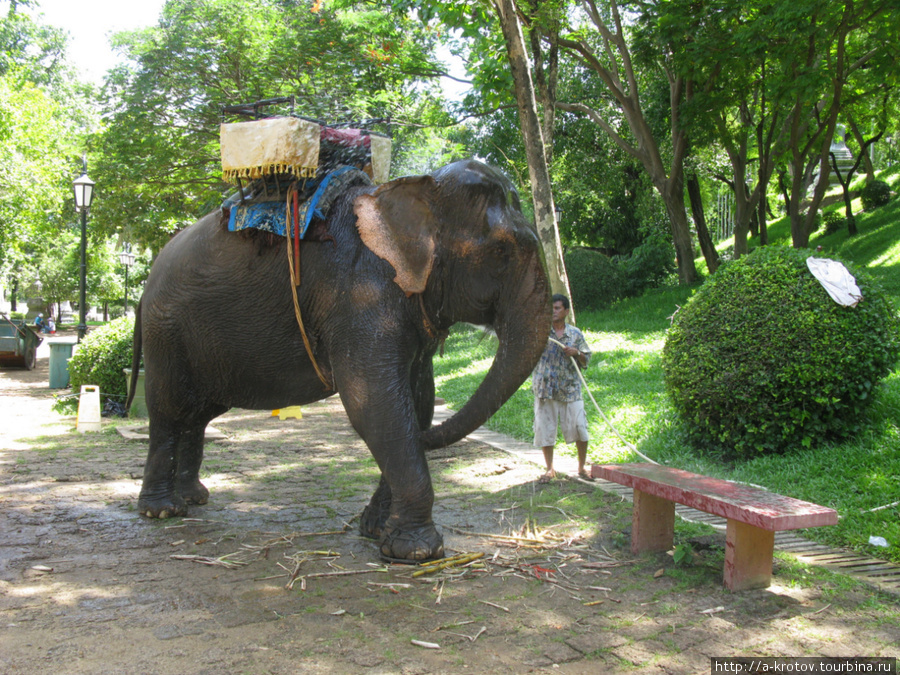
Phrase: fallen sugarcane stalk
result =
(343, 573)
(455, 561)
(470, 638)
(205, 560)
(500, 537)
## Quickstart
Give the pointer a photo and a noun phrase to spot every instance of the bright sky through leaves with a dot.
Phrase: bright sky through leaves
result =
(90, 24)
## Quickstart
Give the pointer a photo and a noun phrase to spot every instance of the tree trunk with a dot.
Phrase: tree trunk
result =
(538, 171)
(673, 196)
(710, 255)
(868, 167)
(845, 192)
(742, 213)
(761, 219)
(546, 76)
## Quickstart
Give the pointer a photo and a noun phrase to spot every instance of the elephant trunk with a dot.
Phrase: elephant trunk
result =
(522, 324)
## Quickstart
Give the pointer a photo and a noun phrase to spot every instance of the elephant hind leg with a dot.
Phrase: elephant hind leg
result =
(158, 498)
(189, 458)
(172, 472)
(375, 515)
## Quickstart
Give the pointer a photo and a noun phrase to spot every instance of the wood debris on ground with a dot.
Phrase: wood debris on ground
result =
(529, 552)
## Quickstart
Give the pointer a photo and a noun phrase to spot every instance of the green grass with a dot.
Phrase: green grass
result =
(625, 378)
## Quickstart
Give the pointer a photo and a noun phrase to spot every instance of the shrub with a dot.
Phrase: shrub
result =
(648, 265)
(100, 359)
(834, 221)
(595, 280)
(762, 360)
(875, 193)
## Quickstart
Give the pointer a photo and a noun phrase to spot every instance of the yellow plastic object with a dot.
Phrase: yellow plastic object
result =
(286, 413)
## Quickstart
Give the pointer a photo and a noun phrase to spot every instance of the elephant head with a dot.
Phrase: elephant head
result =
(459, 240)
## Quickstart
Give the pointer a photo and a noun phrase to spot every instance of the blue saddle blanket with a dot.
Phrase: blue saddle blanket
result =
(273, 216)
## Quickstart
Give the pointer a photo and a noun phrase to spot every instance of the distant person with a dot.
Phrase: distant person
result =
(39, 322)
(50, 326)
(557, 391)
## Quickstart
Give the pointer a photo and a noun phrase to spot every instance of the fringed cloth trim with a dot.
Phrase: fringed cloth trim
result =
(253, 172)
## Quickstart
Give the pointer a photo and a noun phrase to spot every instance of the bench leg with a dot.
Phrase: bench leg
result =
(652, 523)
(748, 556)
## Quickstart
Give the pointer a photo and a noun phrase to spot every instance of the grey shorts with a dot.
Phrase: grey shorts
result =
(548, 414)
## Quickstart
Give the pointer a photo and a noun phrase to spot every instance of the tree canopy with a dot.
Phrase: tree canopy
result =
(159, 153)
(629, 103)
(44, 118)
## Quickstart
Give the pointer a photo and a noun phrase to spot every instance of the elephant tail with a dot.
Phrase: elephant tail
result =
(137, 346)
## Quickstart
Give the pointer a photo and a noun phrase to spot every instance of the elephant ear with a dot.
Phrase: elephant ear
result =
(397, 223)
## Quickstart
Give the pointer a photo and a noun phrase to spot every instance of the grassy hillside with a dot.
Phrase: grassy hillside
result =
(625, 378)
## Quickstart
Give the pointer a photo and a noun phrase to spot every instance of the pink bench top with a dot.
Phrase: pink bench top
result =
(725, 498)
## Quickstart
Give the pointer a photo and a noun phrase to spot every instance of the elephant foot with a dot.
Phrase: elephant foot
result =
(371, 522)
(195, 493)
(163, 507)
(412, 545)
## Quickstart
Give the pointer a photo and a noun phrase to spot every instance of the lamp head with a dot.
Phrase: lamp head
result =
(126, 257)
(84, 192)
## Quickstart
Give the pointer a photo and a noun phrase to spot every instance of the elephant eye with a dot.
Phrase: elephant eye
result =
(501, 253)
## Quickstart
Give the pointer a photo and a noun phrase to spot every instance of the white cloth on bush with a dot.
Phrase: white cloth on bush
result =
(836, 280)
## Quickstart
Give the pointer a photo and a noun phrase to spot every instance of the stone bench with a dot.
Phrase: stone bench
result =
(753, 515)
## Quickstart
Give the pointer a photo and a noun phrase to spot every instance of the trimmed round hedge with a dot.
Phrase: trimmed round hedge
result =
(761, 360)
(101, 357)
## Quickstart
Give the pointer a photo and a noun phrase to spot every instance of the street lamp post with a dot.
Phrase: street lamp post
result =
(84, 195)
(126, 257)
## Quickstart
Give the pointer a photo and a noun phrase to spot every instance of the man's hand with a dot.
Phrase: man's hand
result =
(574, 353)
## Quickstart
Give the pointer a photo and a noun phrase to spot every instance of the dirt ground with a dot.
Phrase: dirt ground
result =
(272, 577)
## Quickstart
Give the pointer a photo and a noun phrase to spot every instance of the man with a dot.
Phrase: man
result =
(557, 391)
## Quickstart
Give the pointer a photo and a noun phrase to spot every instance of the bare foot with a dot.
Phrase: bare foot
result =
(547, 477)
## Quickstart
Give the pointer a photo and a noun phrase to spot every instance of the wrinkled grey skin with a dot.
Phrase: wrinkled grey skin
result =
(217, 328)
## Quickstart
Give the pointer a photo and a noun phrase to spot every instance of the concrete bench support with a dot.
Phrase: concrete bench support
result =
(652, 523)
(748, 556)
(753, 516)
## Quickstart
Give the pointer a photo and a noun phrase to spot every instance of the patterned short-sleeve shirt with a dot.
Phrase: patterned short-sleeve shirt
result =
(554, 376)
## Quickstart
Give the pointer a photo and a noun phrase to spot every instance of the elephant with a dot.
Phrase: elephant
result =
(391, 269)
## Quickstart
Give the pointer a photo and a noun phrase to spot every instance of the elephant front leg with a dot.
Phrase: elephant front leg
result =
(408, 533)
(400, 537)
(402, 533)
(410, 542)
(399, 513)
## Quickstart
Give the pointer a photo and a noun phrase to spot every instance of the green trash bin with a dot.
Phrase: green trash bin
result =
(60, 353)
(138, 405)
